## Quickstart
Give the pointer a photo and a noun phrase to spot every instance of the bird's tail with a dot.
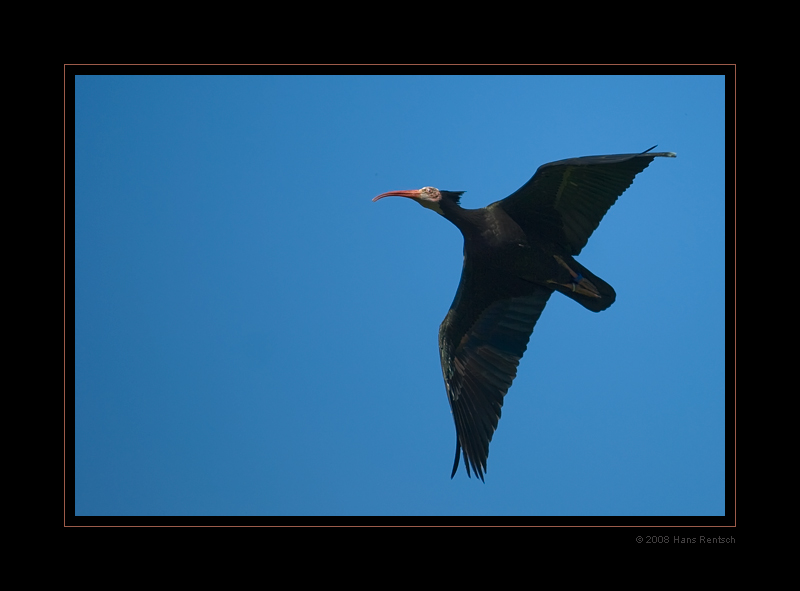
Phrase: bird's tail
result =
(585, 287)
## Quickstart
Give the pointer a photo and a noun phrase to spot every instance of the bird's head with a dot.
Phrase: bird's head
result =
(429, 197)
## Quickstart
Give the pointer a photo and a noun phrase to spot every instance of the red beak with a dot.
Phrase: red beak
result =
(413, 194)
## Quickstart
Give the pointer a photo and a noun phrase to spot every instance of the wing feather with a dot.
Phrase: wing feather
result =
(565, 200)
(480, 365)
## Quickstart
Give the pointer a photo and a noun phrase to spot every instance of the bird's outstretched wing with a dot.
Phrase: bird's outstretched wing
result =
(565, 200)
(481, 342)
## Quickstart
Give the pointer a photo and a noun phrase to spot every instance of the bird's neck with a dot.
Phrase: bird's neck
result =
(466, 220)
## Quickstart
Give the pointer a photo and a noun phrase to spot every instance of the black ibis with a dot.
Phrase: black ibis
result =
(517, 252)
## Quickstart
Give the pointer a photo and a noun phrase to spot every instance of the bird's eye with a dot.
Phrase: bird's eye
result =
(431, 193)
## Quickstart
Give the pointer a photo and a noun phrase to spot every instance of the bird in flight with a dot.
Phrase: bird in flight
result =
(517, 252)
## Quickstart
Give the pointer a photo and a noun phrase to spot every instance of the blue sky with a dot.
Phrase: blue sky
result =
(254, 336)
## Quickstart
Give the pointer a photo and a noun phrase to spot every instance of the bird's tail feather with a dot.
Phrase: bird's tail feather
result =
(606, 293)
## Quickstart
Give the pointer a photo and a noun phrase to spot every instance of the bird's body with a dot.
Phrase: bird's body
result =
(517, 251)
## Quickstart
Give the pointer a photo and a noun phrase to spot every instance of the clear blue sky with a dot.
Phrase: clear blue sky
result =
(254, 336)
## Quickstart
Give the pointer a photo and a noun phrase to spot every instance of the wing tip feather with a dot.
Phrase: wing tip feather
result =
(458, 457)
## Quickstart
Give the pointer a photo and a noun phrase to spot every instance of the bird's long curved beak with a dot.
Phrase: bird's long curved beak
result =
(412, 194)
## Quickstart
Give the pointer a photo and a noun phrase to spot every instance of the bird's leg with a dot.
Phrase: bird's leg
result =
(579, 283)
